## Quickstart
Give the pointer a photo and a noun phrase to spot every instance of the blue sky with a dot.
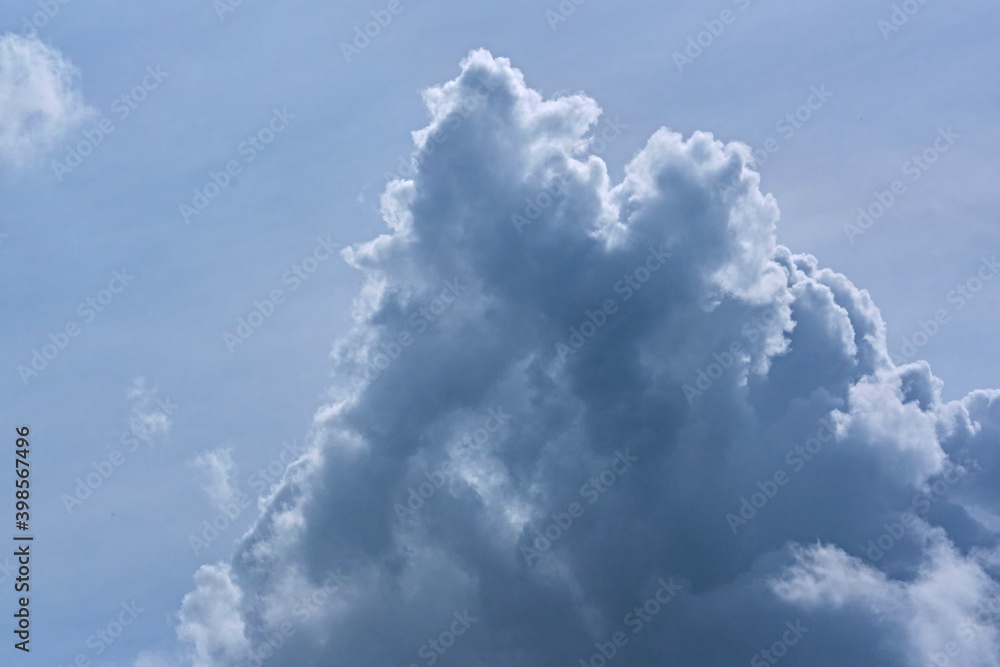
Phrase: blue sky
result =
(308, 136)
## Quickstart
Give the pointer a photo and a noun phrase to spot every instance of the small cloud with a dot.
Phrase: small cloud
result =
(40, 100)
(150, 416)
(215, 469)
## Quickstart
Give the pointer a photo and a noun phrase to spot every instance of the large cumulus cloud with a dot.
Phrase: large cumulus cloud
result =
(574, 413)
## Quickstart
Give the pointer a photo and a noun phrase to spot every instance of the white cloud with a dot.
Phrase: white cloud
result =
(210, 618)
(215, 469)
(149, 418)
(948, 601)
(585, 325)
(40, 100)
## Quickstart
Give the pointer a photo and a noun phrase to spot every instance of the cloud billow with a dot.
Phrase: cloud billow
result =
(585, 327)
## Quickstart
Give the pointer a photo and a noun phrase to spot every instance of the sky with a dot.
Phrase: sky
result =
(533, 333)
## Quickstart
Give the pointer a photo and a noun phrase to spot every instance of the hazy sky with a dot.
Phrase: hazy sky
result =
(216, 218)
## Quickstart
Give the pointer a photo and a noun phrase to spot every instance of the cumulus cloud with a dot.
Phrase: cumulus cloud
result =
(40, 100)
(578, 417)
(209, 619)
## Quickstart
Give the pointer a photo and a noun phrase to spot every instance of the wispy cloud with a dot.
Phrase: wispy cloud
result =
(41, 100)
(215, 470)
